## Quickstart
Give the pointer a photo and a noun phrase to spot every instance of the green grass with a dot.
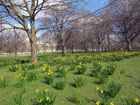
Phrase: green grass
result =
(130, 81)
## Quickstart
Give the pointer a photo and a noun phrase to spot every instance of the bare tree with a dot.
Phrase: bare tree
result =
(25, 13)
(62, 30)
(126, 20)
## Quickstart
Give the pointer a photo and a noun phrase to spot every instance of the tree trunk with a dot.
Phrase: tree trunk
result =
(85, 47)
(16, 44)
(72, 49)
(33, 43)
(98, 47)
(108, 39)
(102, 47)
(128, 47)
(64, 50)
(33, 49)
(15, 52)
(132, 44)
(63, 44)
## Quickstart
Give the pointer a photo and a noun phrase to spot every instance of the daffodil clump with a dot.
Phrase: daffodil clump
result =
(97, 67)
(45, 68)
(113, 89)
(135, 101)
(29, 66)
(21, 80)
(81, 68)
(60, 85)
(3, 82)
(62, 71)
(102, 78)
(102, 72)
(18, 99)
(118, 56)
(110, 69)
(14, 68)
(100, 103)
(32, 76)
(76, 98)
(103, 97)
(79, 82)
(72, 67)
(44, 98)
(49, 77)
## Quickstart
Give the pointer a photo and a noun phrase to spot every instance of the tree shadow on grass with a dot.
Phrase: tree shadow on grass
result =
(129, 76)
(89, 100)
(57, 76)
(72, 100)
(137, 86)
(72, 84)
(76, 73)
(96, 82)
(69, 99)
(44, 81)
(90, 75)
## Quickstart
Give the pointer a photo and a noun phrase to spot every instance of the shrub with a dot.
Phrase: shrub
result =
(79, 82)
(60, 85)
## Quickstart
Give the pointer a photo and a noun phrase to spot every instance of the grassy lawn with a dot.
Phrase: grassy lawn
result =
(129, 78)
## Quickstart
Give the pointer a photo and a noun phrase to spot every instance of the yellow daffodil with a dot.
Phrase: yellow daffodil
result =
(101, 91)
(19, 74)
(47, 98)
(46, 90)
(2, 79)
(40, 100)
(111, 103)
(136, 100)
(97, 88)
(36, 91)
(98, 103)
